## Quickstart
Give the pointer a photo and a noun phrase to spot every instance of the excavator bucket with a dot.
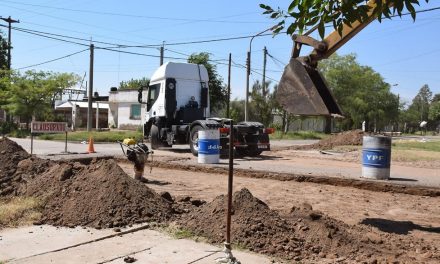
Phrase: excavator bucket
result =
(303, 91)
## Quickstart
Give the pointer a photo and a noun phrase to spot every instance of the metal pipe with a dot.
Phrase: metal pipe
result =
(230, 182)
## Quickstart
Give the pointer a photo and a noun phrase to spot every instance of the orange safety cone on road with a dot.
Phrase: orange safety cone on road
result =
(91, 148)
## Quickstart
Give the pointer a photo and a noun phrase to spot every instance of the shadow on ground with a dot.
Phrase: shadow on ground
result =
(403, 179)
(398, 227)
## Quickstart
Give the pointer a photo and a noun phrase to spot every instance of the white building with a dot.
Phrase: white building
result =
(125, 112)
(75, 113)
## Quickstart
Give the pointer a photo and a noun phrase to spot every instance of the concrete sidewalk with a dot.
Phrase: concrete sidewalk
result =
(48, 244)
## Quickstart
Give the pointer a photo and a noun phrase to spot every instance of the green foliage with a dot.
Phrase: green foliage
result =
(261, 104)
(7, 127)
(434, 111)
(32, 94)
(361, 92)
(237, 110)
(134, 84)
(297, 135)
(20, 133)
(436, 98)
(419, 108)
(98, 136)
(218, 94)
(308, 13)
(3, 52)
(414, 145)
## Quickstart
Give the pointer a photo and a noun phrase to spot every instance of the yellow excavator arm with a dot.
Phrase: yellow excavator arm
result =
(302, 89)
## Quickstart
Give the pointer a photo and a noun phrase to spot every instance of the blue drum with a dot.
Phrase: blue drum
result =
(376, 157)
(209, 146)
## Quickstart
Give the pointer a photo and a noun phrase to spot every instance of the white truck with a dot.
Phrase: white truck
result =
(177, 107)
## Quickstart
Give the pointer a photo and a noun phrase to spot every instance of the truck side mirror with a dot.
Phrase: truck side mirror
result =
(140, 91)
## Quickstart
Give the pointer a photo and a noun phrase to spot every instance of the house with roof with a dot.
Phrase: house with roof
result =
(125, 112)
(75, 113)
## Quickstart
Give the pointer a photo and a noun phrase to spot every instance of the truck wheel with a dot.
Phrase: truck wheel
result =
(194, 140)
(253, 151)
(154, 137)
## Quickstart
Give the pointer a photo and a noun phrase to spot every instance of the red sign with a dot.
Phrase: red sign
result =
(48, 127)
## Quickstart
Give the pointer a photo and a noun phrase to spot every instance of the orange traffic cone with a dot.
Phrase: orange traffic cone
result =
(91, 148)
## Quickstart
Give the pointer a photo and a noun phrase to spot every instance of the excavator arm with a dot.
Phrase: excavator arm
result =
(302, 89)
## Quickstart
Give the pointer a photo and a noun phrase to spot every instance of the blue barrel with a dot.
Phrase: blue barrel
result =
(376, 157)
(209, 146)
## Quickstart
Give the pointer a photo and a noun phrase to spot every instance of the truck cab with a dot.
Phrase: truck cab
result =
(177, 107)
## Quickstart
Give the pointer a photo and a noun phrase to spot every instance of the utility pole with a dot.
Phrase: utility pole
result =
(248, 73)
(90, 94)
(9, 20)
(229, 86)
(264, 72)
(162, 49)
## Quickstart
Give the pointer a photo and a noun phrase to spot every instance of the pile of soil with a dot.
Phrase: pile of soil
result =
(10, 155)
(353, 137)
(304, 235)
(98, 195)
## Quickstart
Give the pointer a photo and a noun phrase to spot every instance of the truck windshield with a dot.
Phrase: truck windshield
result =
(153, 93)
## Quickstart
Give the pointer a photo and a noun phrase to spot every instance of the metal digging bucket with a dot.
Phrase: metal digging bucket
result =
(303, 91)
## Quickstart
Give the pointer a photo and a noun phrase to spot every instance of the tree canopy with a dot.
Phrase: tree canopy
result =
(218, 94)
(134, 83)
(3, 52)
(361, 92)
(31, 94)
(301, 15)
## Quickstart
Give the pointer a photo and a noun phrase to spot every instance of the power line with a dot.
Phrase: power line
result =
(139, 54)
(45, 36)
(60, 58)
(140, 16)
(63, 36)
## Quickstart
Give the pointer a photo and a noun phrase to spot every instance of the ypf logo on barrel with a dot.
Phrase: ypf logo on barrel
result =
(209, 142)
(209, 146)
(376, 158)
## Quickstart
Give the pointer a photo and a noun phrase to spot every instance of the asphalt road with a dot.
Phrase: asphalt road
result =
(47, 147)
(278, 162)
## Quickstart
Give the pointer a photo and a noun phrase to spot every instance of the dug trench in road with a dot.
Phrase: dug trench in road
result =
(345, 203)
(379, 186)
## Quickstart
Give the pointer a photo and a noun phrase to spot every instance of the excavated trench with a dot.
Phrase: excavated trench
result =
(101, 195)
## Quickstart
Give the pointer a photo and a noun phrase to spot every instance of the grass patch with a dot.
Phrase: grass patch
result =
(19, 211)
(417, 145)
(98, 136)
(414, 155)
(298, 135)
(182, 233)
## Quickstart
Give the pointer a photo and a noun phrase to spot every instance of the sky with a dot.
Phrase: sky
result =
(404, 52)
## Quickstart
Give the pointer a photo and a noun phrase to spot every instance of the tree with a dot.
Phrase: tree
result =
(134, 83)
(434, 112)
(31, 95)
(308, 13)
(3, 52)
(218, 94)
(361, 92)
(261, 104)
(419, 107)
(436, 98)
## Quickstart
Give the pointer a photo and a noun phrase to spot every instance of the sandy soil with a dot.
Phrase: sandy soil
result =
(407, 215)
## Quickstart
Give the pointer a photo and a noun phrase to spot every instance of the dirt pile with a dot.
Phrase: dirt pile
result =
(99, 195)
(10, 155)
(303, 235)
(353, 137)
